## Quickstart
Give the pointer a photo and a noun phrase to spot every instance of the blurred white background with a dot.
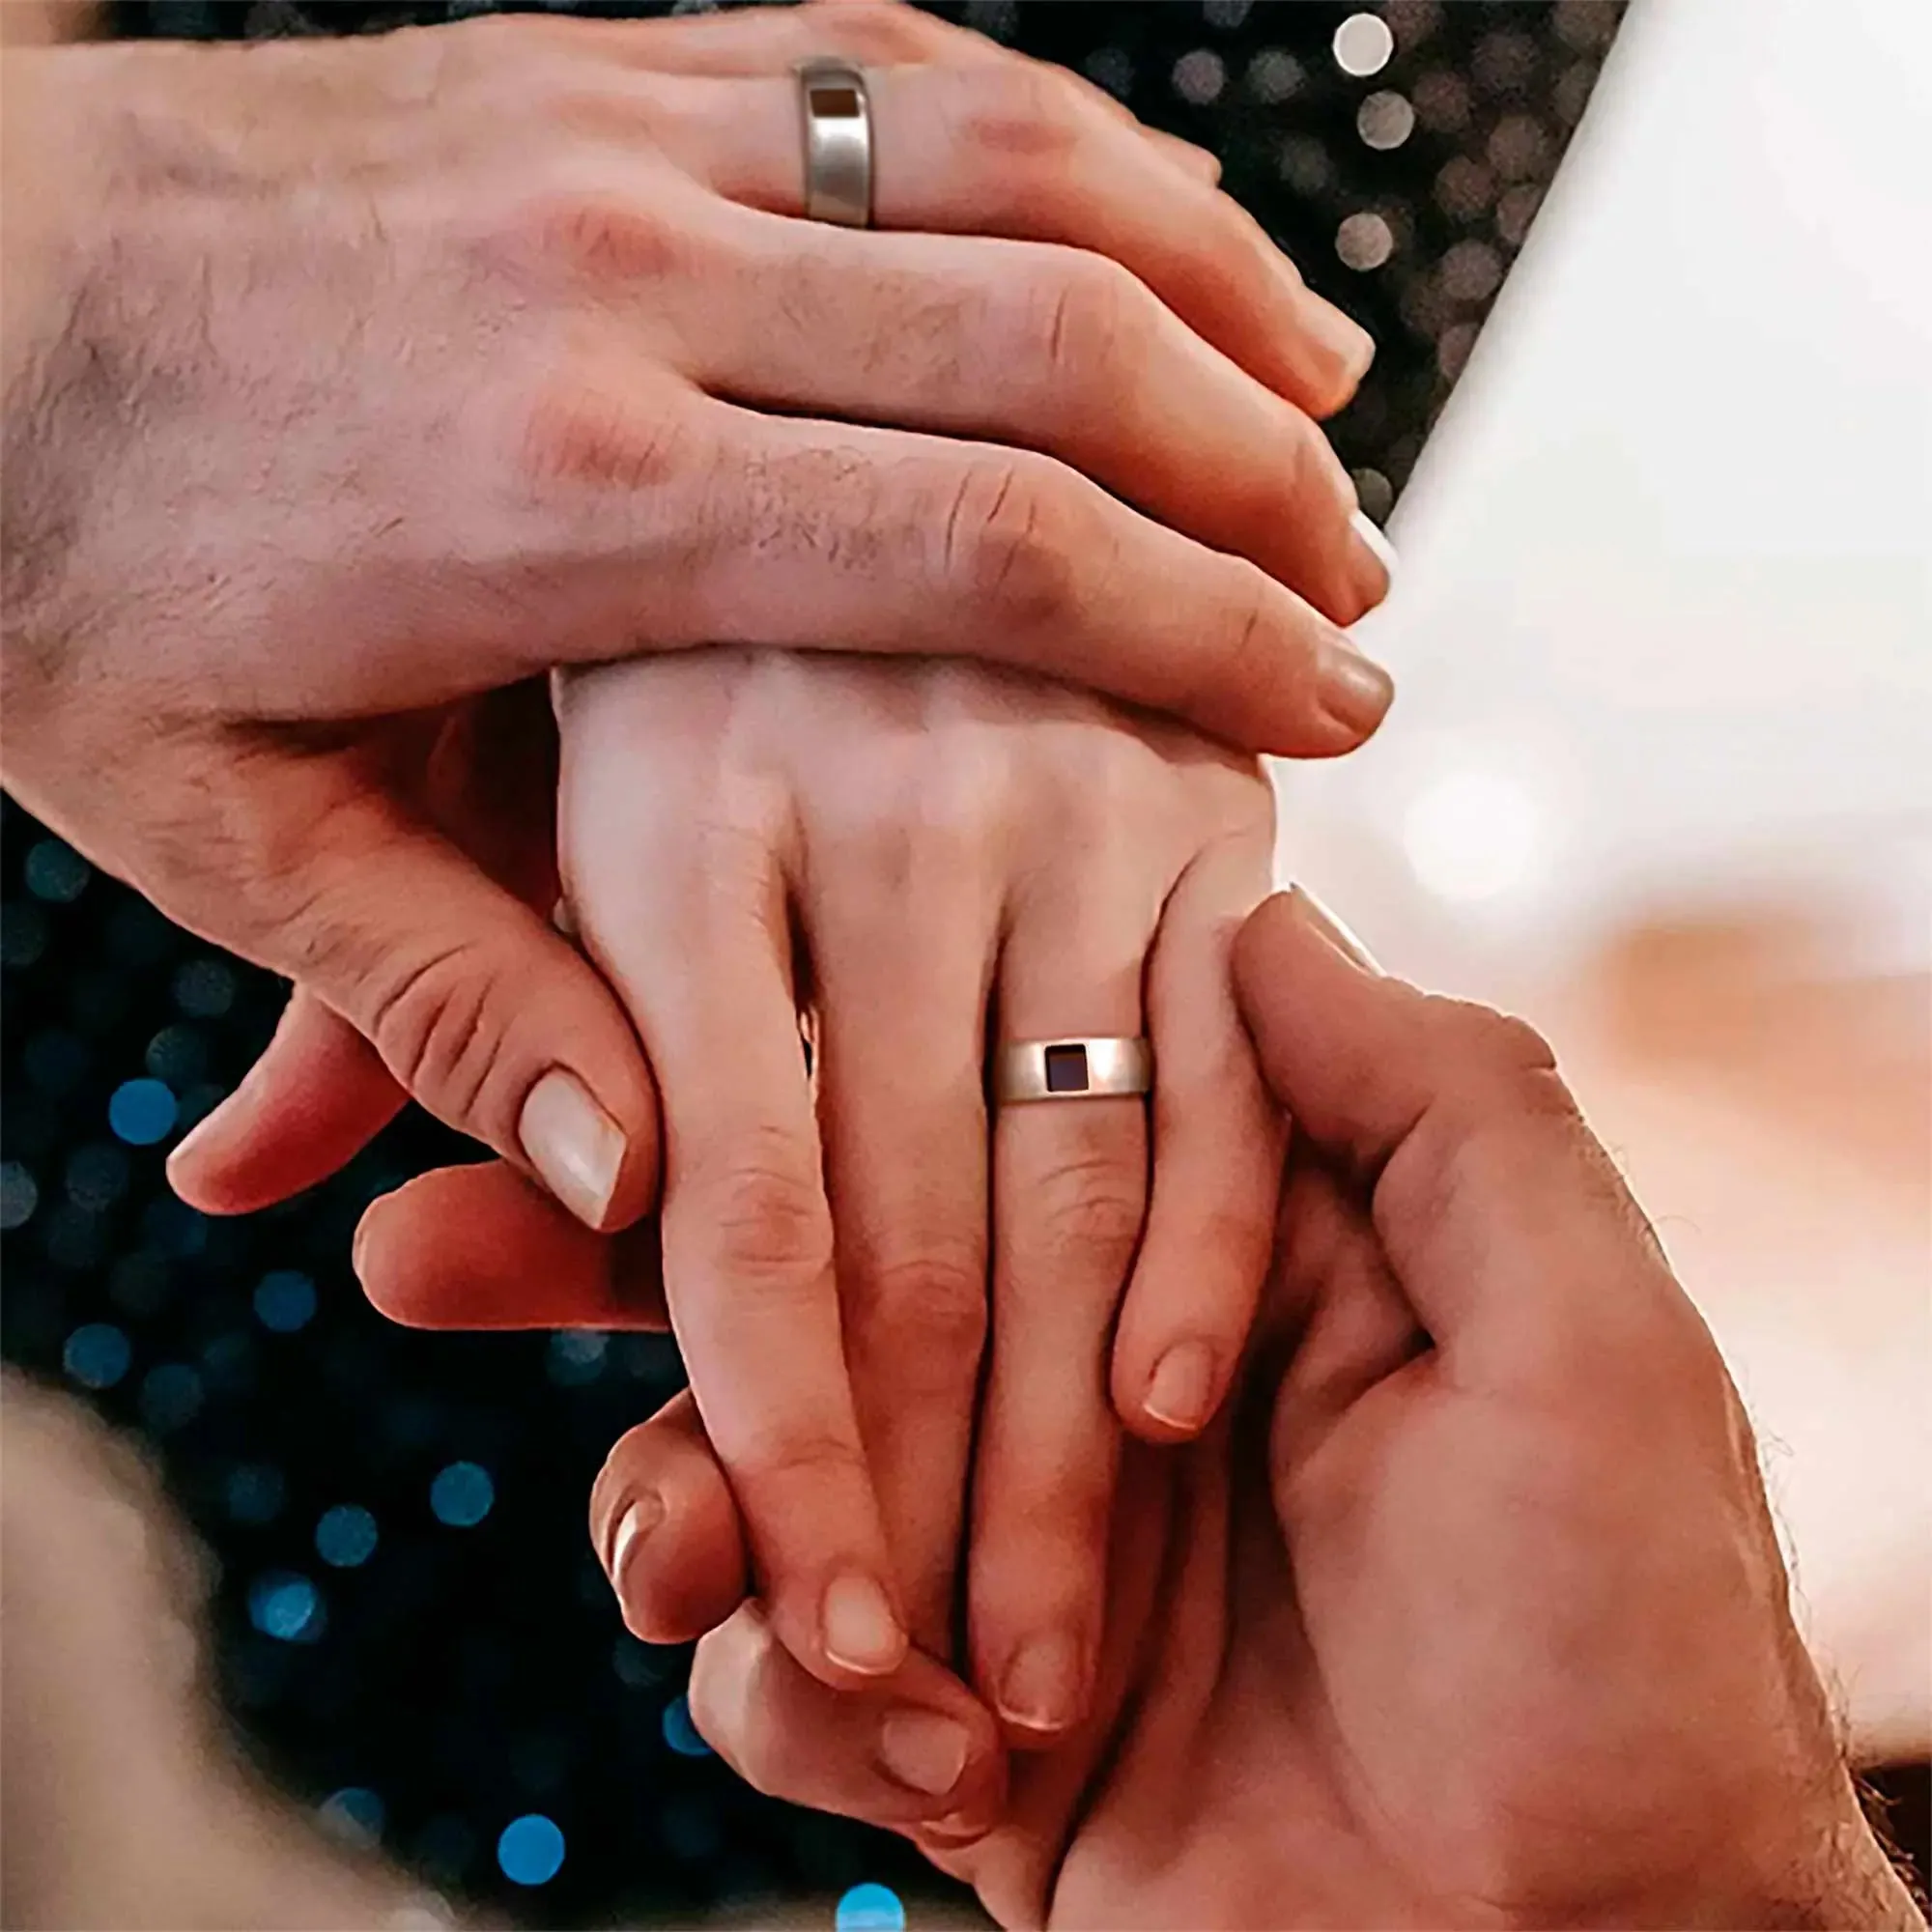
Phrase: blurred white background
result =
(1657, 772)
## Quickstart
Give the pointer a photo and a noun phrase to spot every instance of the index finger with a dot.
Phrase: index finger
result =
(697, 942)
(1503, 1216)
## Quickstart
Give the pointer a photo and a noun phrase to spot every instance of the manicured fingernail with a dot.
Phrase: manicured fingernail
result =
(923, 1750)
(1317, 916)
(573, 1143)
(1182, 1393)
(1375, 541)
(636, 1522)
(1040, 1691)
(1354, 691)
(858, 1626)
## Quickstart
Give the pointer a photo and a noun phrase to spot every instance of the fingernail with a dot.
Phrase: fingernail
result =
(1353, 690)
(1040, 1691)
(957, 1828)
(359, 1246)
(1182, 1393)
(1317, 916)
(859, 1630)
(923, 1750)
(1374, 539)
(1349, 342)
(643, 1516)
(573, 1143)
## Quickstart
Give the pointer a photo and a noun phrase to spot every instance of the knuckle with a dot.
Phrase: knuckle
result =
(578, 433)
(1017, 113)
(439, 1029)
(1511, 1047)
(929, 1309)
(1084, 321)
(793, 1463)
(1091, 1201)
(883, 35)
(605, 237)
(1010, 542)
(769, 1226)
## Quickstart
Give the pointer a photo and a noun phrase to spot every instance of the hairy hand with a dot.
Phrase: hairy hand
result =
(345, 379)
(1473, 1612)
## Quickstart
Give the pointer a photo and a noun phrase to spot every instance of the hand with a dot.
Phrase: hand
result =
(346, 379)
(910, 851)
(1474, 1614)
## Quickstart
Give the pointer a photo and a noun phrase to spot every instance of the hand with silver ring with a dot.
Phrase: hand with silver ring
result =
(910, 851)
(924, 857)
(606, 394)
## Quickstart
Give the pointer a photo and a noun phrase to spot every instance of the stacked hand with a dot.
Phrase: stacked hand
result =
(599, 392)
(1469, 1612)
(345, 379)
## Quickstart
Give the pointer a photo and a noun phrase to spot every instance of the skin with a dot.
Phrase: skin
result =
(1472, 1614)
(348, 380)
(917, 852)
(922, 854)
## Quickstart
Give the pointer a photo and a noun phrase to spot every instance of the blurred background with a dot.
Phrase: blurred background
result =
(1650, 429)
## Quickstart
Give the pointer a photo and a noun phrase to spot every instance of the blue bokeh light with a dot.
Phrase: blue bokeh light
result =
(462, 1494)
(287, 1608)
(19, 1194)
(56, 872)
(255, 1493)
(531, 1850)
(285, 1301)
(870, 1908)
(345, 1536)
(171, 1397)
(680, 1733)
(142, 1111)
(98, 1356)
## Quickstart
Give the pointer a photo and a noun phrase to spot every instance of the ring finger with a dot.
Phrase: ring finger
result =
(1070, 1193)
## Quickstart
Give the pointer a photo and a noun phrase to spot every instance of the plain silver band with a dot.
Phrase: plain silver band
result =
(1112, 1066)
(838, 143)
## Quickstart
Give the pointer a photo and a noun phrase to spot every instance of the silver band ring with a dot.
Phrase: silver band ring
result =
(1071, 1069)
(838, 143)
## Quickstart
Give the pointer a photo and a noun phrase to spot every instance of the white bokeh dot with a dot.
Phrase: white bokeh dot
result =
(1363, 45)
(1473, 833)
(1364, 242)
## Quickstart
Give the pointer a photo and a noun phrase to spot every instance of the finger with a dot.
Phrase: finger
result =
(838, 536)
(665, 1528)
(1044, 348)
(478, 1007)
(1007, 145)
(1501, 1214)
(1069, 1191)
(760, 41)
(902, 954)
(318, 1095)
(916, 1747)
(695, 935)
(1202, 163)
(481, 1247)
(913, 1749)
(1218, 1143)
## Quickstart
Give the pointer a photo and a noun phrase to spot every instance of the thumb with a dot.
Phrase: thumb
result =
(1502, 1215)
(472, 1004)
